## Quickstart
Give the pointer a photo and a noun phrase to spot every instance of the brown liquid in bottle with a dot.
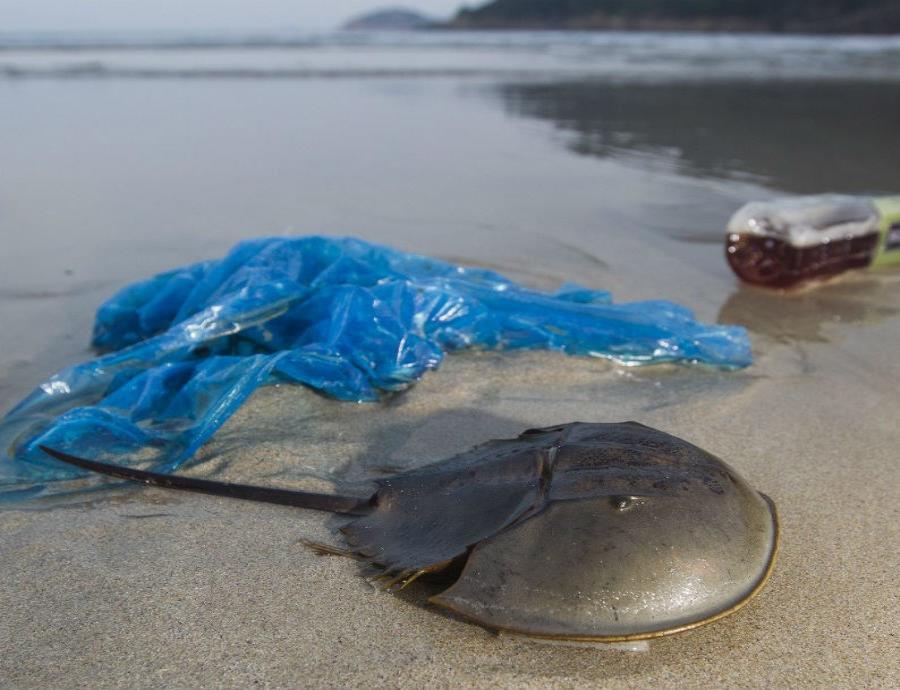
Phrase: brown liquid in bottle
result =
(773, 262)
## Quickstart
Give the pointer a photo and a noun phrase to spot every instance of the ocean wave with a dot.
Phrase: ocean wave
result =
(92, 70)
(448, 54)
(438, 39)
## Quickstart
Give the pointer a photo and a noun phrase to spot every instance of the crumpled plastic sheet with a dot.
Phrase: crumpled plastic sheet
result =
(350, 319)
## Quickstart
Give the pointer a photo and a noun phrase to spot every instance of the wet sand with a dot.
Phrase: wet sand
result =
(145, 588)
(138, 587)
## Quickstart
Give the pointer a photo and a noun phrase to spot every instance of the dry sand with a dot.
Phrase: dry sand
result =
(147, 588)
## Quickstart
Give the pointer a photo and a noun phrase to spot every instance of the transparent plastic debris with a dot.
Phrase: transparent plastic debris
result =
(788, 241)
(352, 320)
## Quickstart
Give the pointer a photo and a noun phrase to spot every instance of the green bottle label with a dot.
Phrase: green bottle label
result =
(888, 252)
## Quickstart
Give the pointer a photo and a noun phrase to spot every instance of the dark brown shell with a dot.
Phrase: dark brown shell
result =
(579, 531)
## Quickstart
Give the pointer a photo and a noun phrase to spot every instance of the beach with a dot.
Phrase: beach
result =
(611, 164)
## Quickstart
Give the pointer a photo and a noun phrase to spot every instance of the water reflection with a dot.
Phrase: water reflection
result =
(794, 136)
(804, 316)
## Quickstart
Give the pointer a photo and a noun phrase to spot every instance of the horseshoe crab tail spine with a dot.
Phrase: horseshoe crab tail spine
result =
(332, 503)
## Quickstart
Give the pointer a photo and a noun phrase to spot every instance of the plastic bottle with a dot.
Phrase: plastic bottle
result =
(788, 241)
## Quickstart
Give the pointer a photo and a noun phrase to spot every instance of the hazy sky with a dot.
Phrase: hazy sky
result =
(54, 15)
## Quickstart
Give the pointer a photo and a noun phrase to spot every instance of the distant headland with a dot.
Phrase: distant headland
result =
(388, 19)
(787, 16)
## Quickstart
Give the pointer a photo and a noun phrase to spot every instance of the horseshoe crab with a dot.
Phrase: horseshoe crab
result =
(593, 532)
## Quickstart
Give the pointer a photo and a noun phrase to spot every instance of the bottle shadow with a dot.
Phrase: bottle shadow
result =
(806, 315)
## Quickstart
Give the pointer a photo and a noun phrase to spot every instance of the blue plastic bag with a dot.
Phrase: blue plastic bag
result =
(345, 317)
